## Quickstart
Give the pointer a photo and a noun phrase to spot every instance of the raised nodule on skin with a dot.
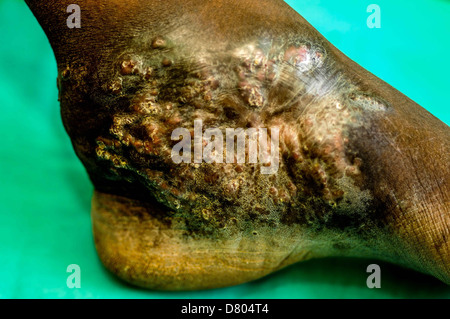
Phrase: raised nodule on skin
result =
(356, 174)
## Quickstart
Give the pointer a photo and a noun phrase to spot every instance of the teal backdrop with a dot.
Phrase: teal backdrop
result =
(45, 193)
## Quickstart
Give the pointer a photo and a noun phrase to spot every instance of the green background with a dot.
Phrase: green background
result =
(45, 193)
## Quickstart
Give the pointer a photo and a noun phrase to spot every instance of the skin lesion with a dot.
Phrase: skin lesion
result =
(261, 84)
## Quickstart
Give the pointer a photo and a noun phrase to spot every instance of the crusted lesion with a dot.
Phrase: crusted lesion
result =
(265, 84)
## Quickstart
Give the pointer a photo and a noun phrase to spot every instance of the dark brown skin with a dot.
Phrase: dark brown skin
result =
(363, 169)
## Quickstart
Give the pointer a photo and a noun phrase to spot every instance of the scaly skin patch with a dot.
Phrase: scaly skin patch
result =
(263, 84)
